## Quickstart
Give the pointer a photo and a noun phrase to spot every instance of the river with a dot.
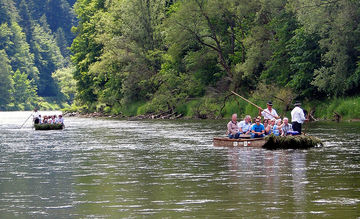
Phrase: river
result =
(100, 168)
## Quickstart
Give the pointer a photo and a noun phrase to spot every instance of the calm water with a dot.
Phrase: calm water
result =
(98, 168)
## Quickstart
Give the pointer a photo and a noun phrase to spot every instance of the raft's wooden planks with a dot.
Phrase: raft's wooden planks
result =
(226, 142)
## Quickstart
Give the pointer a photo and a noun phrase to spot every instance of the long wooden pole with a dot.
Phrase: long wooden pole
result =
(246, 100)
(306, 123)
(26, 121)
(251, 103)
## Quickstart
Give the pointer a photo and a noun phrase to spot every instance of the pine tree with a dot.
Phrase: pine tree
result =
(5, 79)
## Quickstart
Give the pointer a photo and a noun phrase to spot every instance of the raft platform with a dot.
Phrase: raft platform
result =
(271, 142)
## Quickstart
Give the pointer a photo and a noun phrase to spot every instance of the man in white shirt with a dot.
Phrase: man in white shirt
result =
(245, 125)
(36, 117)
(297, 117)
(269, 112)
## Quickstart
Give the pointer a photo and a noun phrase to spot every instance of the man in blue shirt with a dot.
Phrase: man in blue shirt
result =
(258, 129)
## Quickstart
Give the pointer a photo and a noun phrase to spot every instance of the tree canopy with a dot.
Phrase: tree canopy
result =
(165, 53)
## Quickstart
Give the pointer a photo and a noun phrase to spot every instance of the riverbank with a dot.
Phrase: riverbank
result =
(346, 109)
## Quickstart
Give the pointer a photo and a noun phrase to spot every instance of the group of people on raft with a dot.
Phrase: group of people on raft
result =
(272, 123)
(47, 119)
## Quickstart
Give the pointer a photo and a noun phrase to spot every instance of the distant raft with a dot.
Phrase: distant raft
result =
(48, 126)
(270, 142)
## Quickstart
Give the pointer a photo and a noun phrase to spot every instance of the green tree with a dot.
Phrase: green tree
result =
(85, 48)
(337, 24)
(48, 58)
(5, 80)
(23, 93)
(64, 78)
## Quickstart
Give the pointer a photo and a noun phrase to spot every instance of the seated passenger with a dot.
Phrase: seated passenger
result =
(286, 127)
(60, 120)
(245, 125)
(50, 120)
(277, 127)
(269, 127)
(266, 124)
(258, 129)
(232, 128)
(54, 118)
(45, 121)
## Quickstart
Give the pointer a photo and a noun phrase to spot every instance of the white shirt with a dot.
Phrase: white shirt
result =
(244, 126)
(60, 120)
(36, 115)
(297, 115)
(267, 115)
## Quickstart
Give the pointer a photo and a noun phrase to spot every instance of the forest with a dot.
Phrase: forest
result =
(34, 57)
(182, 57)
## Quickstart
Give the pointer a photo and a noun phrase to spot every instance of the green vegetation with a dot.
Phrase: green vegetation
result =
(291, 142)
(48, 126)
(348, 108)
(34, 36)
(137, 57)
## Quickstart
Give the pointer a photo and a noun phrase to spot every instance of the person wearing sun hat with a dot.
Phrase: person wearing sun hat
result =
(297, 117)
(269, 112)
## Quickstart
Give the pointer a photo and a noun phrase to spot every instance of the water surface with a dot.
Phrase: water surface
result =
(115, 168)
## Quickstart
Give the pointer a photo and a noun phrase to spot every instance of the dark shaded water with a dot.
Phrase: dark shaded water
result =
(109, 168)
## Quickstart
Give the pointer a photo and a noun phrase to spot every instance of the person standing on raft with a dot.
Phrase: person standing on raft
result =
(297, 117)
(36, 116)
(269, 113)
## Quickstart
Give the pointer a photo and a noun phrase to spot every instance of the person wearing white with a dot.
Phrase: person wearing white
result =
(269, 112)
(36, 117)
(60, 120)
(297, 117)
(245, 125)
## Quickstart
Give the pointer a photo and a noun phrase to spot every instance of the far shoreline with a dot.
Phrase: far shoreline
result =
(167, 117)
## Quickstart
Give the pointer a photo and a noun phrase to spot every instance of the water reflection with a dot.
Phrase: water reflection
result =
(108, 168)
(269, 175)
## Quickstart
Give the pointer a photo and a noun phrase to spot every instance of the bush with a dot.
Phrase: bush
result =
(348, 108)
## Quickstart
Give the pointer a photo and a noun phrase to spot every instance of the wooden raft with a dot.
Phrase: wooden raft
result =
(241, 142)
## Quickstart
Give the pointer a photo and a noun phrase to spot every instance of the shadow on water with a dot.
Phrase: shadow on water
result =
(113, 168)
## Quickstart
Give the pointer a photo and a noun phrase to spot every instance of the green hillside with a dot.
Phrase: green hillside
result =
(34, 40)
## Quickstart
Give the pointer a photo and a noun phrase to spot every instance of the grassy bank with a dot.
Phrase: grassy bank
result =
(348, 108)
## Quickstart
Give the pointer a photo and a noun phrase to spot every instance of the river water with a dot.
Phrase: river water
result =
(100, 168)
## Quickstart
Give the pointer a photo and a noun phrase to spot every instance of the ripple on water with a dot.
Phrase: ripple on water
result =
(111, 168)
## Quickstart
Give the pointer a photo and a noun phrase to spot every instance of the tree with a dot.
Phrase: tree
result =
(48, 58)
(23, 93)
(337, 24)
(64, 78)
(5, 80)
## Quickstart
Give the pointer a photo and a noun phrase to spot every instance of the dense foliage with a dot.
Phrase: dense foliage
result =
(168, 55)
(34, 36)
(178, 56)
